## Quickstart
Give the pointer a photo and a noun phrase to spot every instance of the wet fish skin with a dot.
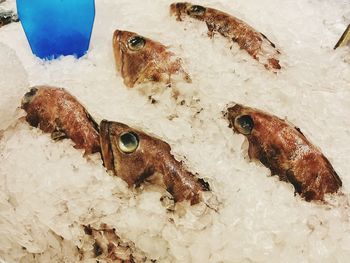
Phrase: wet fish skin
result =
(151, 158)
(151, 62)
(283, 148)
(56, 111)
(255, 43)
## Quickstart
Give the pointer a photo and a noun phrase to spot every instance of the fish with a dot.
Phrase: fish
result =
(252, 41)
(283, 148)
(54, 110)
(131, 154)
(7, 17)
(136, 156)
(140, 60)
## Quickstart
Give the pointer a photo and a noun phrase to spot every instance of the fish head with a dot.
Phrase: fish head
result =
(183, 9)
(251, 122)
(134, 54)
(130, 153)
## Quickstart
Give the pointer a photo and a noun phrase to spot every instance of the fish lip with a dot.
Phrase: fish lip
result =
(119, 48)
(233, 111)
(106, 148)
(117, 36)
(28, 97)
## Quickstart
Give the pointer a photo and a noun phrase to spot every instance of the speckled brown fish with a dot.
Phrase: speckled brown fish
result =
(285, 151)
(255, 43)
(55, 111)
(135, 156)
(140, 59)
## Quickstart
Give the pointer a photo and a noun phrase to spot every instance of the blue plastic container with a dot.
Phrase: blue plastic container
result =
(57, 27)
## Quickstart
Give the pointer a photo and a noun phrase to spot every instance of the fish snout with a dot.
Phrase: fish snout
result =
(232, 111)
(117, 47)
(116, 39)
(28, 97)
(117, 34)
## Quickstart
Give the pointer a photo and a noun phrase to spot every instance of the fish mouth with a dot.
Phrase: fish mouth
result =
(118, 48)
(106, 147)
(117, 35)
(29, 97)
(231, 113)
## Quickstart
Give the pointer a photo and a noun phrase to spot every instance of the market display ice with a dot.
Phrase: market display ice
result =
(49, 191)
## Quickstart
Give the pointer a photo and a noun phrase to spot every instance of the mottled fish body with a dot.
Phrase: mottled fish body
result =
(56, 111)
(252, 41)
(283, 148)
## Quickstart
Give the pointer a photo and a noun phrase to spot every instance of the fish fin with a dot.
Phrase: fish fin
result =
(298, 130)
(187, 77)
(149, 171)
(156, 179)
(58, 135)
(337, 179)
(310, 195)
(151, 73)
(204, 185)
(291, 178)
(271, 43)
(211, 28)
(252, 151)
(333, 173)
(92, 120)
(176, 67)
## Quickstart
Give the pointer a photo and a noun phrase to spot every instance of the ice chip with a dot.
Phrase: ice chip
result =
(13, 84)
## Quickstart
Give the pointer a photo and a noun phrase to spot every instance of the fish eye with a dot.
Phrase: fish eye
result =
(128, 142)
(244, 124)
(136, 43)
(197, 10)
